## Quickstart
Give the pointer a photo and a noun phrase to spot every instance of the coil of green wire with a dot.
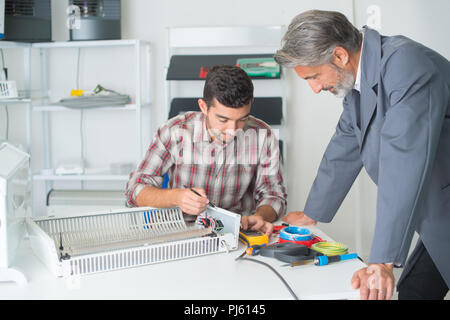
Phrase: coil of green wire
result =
(330, 248)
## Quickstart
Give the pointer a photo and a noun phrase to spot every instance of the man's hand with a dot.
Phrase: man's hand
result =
(299, 218)
(375, 282)
(256, 222)
(191, 203)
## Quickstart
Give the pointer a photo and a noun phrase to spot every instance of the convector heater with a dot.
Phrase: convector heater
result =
(108, 241)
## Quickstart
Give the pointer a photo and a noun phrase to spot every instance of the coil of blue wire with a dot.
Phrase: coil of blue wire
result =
(294, 233)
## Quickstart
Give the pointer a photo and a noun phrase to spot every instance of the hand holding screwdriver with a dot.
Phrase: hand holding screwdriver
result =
(190, 202)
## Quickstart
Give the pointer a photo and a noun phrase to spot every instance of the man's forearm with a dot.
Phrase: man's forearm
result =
(267, 213)
(156, 197)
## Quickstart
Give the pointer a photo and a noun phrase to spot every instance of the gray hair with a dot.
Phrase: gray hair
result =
(312, 37)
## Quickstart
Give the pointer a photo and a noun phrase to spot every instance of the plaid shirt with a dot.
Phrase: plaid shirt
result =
(239, 175)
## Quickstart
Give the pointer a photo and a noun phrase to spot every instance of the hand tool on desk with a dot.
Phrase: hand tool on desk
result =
(323, 260)
(318, 258)
(254, 240)
(285, 252)
(289, 252)
(209, 203)
(296, 254)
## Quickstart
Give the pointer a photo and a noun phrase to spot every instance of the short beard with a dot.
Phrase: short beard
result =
(345, 83)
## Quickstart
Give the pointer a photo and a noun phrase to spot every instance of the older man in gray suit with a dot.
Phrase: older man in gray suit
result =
(396, 123)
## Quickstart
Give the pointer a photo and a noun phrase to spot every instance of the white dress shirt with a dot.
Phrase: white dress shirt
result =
(357, 85)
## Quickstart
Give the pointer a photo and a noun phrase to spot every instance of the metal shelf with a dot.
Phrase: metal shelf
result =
(48, 107)
(88, 44)
(80, 177)
(15, 101)
(14, 44)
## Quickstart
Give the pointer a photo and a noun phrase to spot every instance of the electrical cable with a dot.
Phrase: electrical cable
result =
(77, 80)
(81, 134)
(330, 248)
(111, 99)
(82, 145)
(7, 123)
(92, 102)
(295, 234)
(81, 111)
(78, 69)
(241, 257)
(5, 72)
(215, 224)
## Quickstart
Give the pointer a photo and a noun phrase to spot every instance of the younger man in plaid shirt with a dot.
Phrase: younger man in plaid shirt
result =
(228, 156)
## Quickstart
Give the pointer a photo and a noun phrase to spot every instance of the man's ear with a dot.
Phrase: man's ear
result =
(203, 106)
(340, 56)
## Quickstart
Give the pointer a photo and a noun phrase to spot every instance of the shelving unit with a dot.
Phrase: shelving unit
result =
(191, 48)
(22, 100)
(141, 99)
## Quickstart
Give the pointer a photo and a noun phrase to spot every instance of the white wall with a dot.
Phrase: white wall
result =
(312, 118)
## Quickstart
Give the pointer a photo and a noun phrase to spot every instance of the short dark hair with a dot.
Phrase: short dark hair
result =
(230, 85)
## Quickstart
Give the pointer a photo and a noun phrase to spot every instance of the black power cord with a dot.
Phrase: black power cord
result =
(5, 72)
(241, 257)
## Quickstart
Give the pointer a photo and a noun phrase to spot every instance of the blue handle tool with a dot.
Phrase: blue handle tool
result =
(324, 260)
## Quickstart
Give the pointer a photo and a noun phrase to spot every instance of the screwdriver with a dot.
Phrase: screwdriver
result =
(209, 203)
(324, 260)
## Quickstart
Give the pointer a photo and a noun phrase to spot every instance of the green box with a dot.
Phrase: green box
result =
(260, 67)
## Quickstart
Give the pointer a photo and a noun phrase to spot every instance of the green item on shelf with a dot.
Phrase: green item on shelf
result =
(260, 67)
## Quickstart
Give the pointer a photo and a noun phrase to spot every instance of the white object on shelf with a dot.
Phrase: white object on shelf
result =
(70, 167)
(122, 167)
(64, 203)
(8, 89)
(75, 246)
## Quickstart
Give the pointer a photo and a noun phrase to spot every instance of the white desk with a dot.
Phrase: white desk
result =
(212, 277)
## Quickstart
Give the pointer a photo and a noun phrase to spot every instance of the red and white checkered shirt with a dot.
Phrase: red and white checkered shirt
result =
(240, 175)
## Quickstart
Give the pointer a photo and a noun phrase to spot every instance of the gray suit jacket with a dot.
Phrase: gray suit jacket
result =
(398, 128)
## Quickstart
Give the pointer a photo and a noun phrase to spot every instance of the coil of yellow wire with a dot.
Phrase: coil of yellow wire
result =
(330, 248)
